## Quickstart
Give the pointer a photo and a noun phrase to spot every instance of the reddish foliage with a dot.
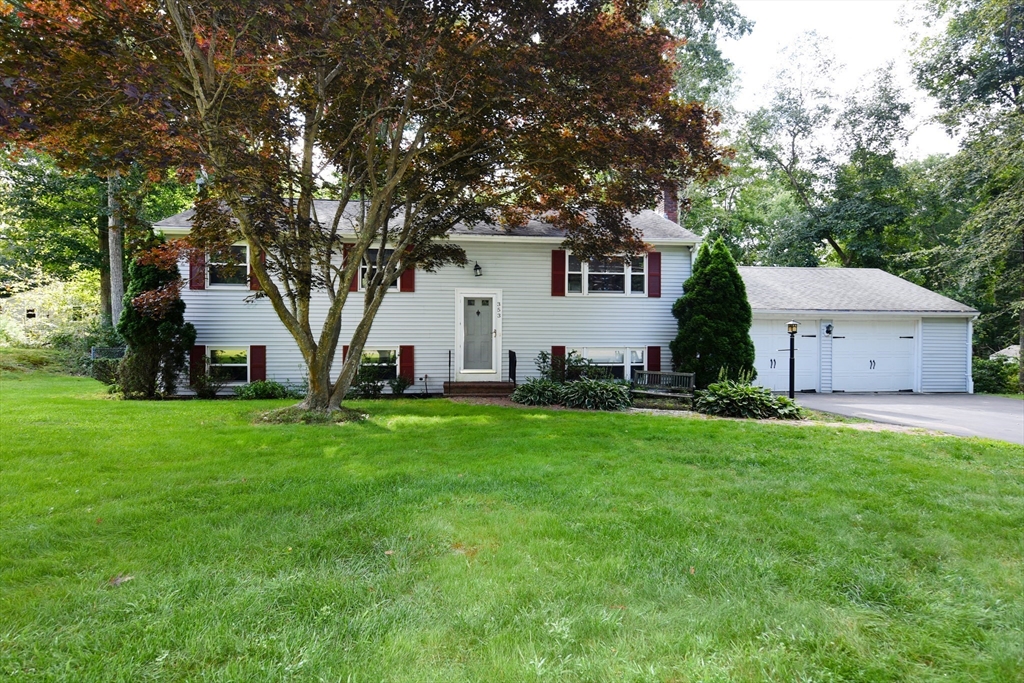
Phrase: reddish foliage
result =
(157, 303)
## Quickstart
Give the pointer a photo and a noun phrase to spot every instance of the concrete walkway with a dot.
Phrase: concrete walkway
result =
(993, 417)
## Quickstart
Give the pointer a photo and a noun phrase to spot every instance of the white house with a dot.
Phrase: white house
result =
(528, 295)
(522, 293)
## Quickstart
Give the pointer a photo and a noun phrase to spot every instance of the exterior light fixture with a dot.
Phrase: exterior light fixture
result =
(477, 270)
(791, 327)
(828, 328)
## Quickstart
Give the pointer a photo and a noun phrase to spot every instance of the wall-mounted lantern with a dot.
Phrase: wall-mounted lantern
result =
(477, 270)
(828, 329)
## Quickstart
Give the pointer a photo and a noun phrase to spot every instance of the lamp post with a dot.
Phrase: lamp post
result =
(791, 327)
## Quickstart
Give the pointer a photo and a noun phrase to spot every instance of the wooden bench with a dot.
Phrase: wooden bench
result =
(674, 385)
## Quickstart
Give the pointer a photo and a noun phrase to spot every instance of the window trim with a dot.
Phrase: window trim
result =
(228, 285)
(248, 361)
(393, 287)
(626, 356)
(627, 273)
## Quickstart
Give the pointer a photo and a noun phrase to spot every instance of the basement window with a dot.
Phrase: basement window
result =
(385, 361)
(230, 364)
(619, 362)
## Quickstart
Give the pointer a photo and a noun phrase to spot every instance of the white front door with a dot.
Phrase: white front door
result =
(873, 355)
(478, 337)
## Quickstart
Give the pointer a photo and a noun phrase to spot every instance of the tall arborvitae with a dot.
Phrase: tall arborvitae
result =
(714, 319)
(153, 324)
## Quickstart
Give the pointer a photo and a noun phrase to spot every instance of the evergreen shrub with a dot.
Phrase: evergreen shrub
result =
(263, 389)
(714, 319)
(153, 326)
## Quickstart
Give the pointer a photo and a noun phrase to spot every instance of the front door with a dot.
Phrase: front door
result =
(478, 346)
(479, 338)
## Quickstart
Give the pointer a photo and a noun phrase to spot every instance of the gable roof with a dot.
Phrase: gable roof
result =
(841, 290)
(653, 226)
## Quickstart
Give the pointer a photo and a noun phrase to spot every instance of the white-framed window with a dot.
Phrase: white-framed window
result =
(366, 271)
(608, 275)
(621, 362)
(385, 360)
(229, 363)
(228, 267)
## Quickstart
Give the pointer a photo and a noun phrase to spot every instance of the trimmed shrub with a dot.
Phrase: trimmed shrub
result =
(262, 389)
(367, 383)
(153, 325)
(596, 394)
(995, 376)
(105, 370)
(399, 385)
(208, 383)
(714, 319)
(538, 392)
(737, 398)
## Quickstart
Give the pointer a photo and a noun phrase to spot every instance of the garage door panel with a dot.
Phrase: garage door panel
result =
(771, 348)
(873, 355)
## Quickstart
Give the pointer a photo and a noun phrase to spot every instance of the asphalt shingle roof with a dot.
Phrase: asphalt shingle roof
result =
(653, 226)
(840, 289)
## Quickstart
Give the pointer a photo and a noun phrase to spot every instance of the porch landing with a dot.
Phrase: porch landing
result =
(478, 388)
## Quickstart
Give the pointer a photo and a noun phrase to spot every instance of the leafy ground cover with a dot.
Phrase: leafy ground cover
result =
(453, 542)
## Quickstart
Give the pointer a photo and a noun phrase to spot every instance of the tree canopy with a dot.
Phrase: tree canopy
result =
(414, 116)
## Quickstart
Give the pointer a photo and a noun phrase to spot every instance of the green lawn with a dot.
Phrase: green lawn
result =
(448, 542)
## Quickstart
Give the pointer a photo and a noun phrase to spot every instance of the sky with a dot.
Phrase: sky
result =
(865, 35)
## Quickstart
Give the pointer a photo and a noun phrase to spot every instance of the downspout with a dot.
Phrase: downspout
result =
(970, 354)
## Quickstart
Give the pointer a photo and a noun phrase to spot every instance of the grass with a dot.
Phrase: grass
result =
(437, 541)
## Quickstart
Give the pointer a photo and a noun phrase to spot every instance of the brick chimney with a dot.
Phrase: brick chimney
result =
(672, 203)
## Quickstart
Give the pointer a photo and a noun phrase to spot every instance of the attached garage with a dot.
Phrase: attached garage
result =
(861, 330)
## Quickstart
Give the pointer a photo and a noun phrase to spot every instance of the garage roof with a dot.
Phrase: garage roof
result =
(653, 226)
(841, 290)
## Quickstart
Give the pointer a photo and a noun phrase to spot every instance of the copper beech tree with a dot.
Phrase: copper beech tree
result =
(414, 116)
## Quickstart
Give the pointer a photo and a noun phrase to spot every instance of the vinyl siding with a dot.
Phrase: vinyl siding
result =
(825, 346)
(532, 319)
(944, 354)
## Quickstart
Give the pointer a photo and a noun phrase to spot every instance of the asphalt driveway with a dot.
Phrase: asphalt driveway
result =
(993, 417)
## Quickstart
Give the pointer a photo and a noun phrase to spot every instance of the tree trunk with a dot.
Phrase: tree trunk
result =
(318, 396)
(115, 238)
(1020, 357)
(104, 247)
(355, 349)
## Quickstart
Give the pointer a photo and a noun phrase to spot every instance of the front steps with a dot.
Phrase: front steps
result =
(479, 389)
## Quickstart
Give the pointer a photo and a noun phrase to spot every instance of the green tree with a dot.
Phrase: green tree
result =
(973, 64)
(714, 319)
(55, 221)
(704, 74)
(153, 325)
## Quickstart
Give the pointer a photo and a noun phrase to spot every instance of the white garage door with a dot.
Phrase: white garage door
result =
(771, 346)
(873, 355)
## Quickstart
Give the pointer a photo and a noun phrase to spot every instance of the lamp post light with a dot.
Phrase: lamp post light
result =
(791, 327)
